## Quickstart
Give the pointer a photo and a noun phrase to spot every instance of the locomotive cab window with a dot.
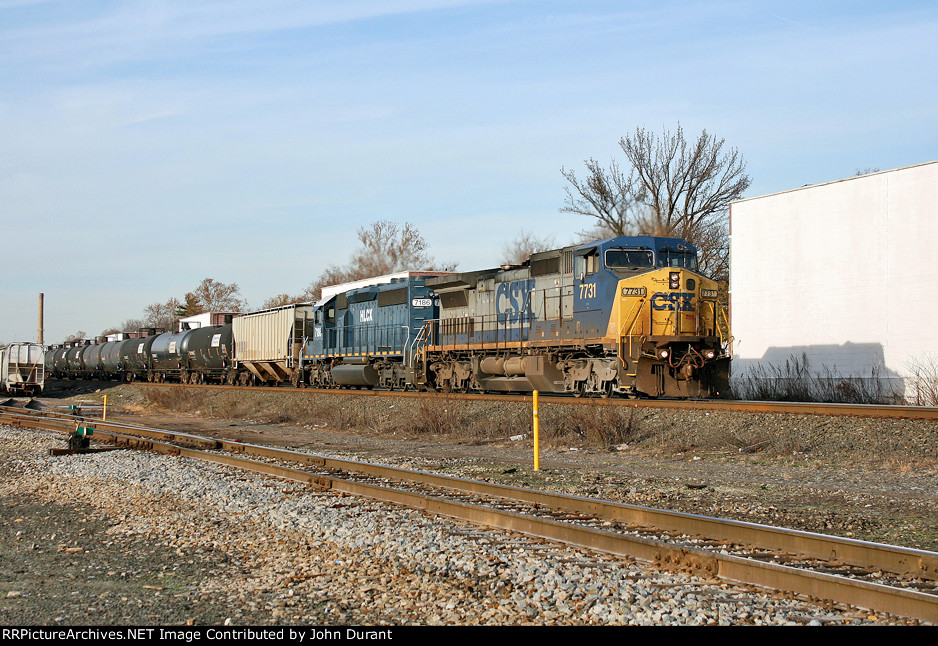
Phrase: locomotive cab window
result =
(677, 258)
(629, 258)
(587, 264)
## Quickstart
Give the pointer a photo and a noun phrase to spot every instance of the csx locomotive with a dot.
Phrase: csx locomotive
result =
(628, 315)
(625, 315)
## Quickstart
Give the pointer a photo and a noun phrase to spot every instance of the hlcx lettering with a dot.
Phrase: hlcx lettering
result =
(670, 301)
(513, 300)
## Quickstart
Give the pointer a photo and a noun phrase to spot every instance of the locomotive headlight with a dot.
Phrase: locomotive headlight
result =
(674, 280)
(663, 354)
(710, 354)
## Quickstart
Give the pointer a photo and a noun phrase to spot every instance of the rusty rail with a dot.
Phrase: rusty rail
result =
(732, 568)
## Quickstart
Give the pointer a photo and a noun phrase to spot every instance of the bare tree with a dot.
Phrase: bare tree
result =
(162, 315)
(280, 300)
(713, 249)
(597, 232)
(386, 248)
(607, 195)
(132, 325)
(525, 244)
(674, 188)
(77, 336)
(214, 296)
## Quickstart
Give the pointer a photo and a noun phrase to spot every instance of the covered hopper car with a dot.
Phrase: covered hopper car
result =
(22, 368)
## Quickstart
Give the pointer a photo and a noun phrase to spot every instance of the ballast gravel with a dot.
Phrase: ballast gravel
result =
(131, 538)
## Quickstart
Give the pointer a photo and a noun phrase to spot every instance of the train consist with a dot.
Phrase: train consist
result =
(625, 315)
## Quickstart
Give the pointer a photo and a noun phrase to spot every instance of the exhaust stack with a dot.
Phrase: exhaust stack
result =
(41, 296)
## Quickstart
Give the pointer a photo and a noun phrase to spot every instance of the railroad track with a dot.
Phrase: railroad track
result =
(896, 580)
(801, 408)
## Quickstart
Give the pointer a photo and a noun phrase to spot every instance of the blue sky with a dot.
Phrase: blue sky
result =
(147, 145)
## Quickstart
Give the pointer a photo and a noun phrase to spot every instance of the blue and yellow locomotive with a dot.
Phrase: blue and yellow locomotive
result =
(628, 315)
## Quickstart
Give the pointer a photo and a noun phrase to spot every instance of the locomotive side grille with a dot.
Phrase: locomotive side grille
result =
(392, 297)
(545, 266)
(454, 299)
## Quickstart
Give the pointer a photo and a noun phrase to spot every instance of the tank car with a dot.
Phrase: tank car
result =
(22, 368)
(94, 360)
(56, 364)
(168, 356)
(136, 357)
(73, 364)
(627, 315)
(207, 354)
(111, 367)
(364, 337)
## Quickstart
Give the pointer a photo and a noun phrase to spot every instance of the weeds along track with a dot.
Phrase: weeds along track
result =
(883, 411)
(884, 578)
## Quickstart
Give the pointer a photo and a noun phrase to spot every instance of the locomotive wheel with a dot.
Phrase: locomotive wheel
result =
(580, 390)
(607, 390)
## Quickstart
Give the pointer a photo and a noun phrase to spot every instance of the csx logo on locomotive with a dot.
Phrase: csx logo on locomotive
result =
(513, 300)
(671, 301)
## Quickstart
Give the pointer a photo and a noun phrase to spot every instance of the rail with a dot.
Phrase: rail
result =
(831, 552)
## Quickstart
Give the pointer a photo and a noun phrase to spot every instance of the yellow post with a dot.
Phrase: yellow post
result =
(537, 450)
(104, 416)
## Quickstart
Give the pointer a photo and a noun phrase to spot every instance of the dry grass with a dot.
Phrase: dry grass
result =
(796, 381)
(648, 430)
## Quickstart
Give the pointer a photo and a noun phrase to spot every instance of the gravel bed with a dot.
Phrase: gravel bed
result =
(125, 538)
(870, 479)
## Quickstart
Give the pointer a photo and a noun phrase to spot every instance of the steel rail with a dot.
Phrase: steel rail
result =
(728, 405)
(732, 568)
(890, 558)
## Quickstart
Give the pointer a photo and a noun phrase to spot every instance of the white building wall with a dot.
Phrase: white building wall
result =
(844, 272)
